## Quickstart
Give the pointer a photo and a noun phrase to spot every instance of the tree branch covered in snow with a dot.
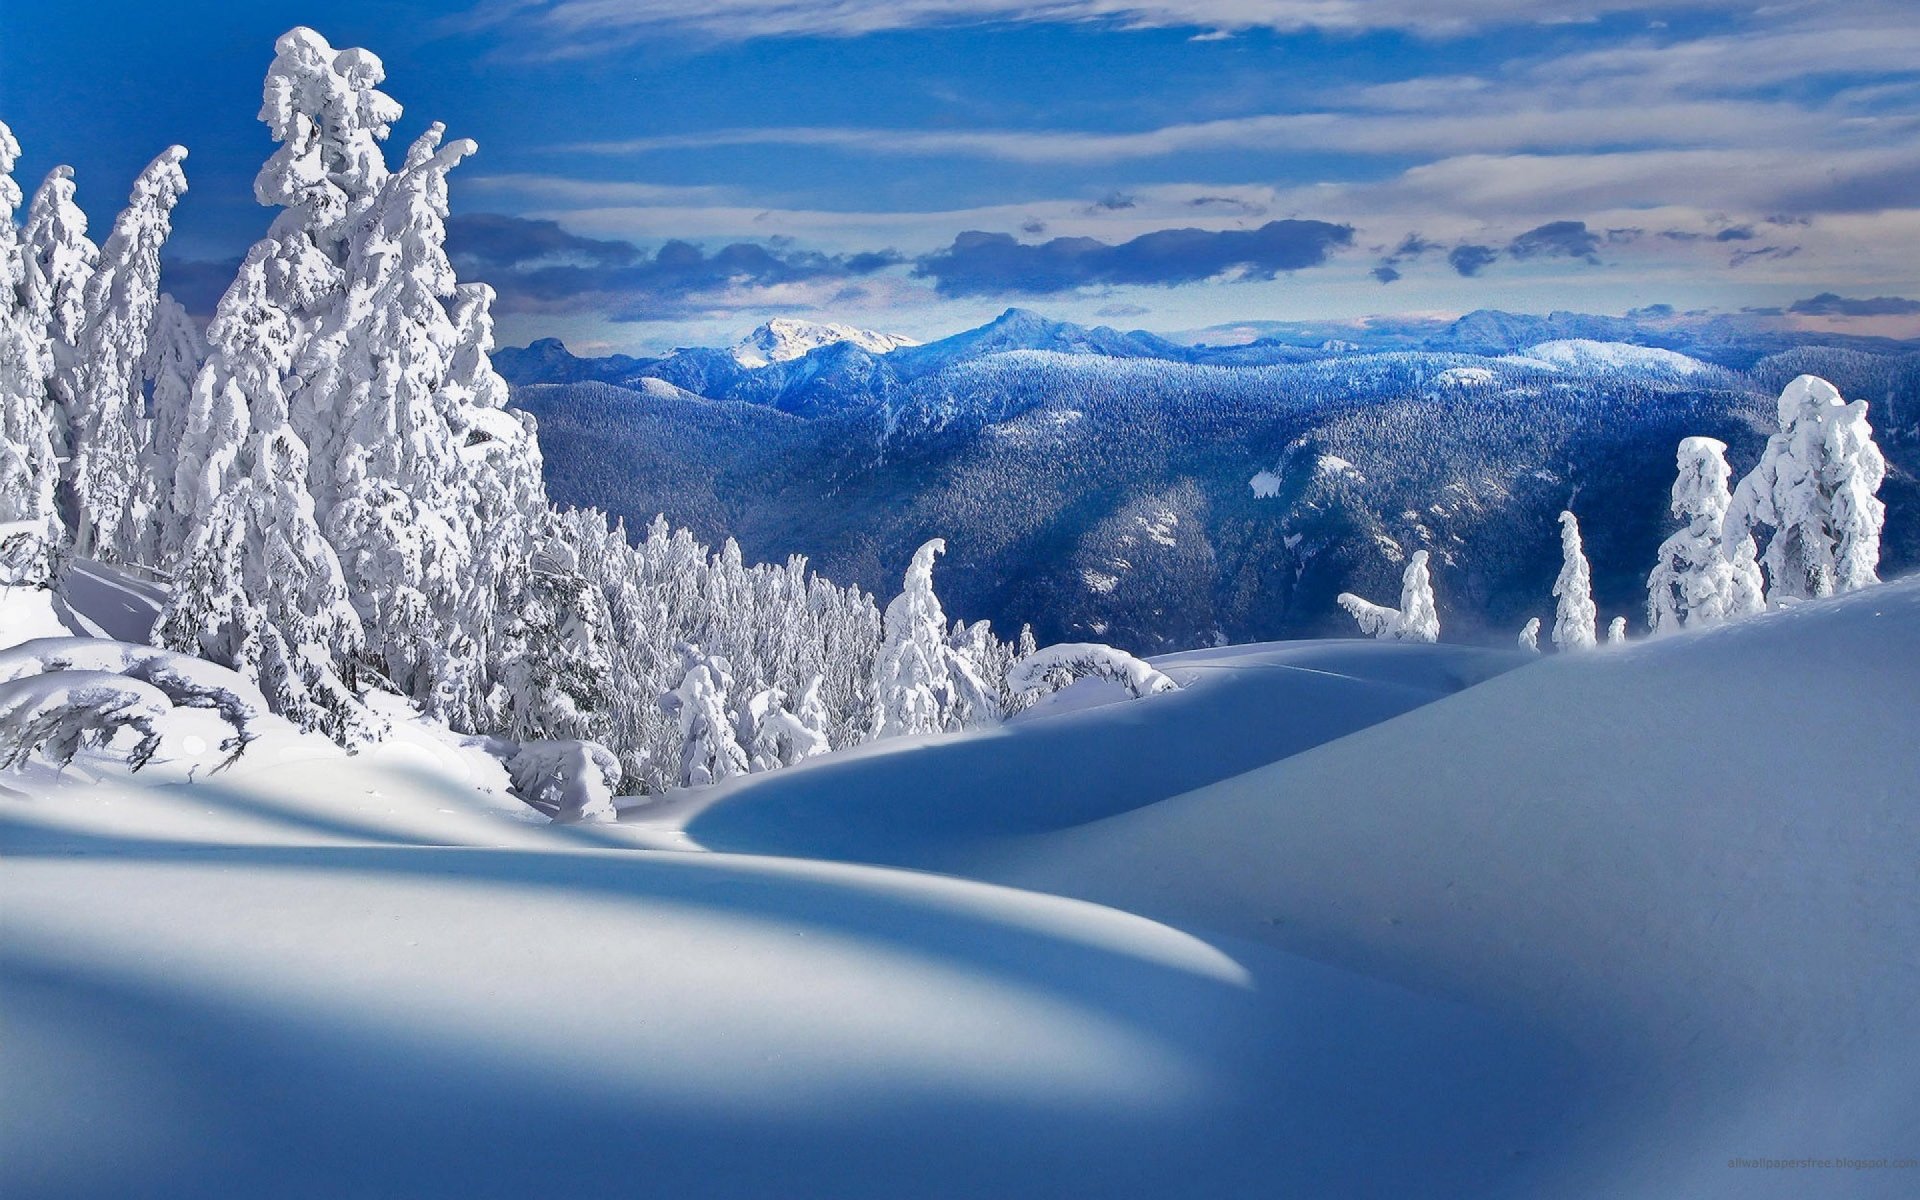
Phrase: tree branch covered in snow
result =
(1054, 667)
(59, 694)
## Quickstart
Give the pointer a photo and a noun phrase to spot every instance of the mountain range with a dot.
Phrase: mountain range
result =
(1161, 493)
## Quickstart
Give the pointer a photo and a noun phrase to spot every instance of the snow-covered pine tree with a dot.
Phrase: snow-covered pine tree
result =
(1616, 631)
(1575, 617)
(60, 259)
(278, 611)
(709, 749)
(30, 533)
(392, 501)
(109, 429)
(775, 737)
(1813, 489)
(913, 690)
(557, 669)
(175, 351)
(1416, 620)
(1699, 579)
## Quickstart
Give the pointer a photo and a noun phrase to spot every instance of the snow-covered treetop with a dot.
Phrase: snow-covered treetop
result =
(324, 108)
(1700, 491)
(1806, 395)
(60, 258)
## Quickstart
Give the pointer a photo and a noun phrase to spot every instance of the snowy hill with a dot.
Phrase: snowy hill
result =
(784, 339)
(1585, 354)
(1339, 919)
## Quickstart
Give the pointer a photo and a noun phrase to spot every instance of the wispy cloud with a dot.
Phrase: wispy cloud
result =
(1675, 123)
(585, 27)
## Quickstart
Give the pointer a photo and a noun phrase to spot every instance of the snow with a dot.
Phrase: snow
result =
(1265, 485)
(1335, 918)
(784, 339)
(1583, 354)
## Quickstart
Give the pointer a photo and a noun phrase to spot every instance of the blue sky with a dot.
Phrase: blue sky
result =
(675, 171)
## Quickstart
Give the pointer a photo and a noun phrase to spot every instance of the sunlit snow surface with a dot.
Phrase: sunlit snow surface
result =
(1338, 919)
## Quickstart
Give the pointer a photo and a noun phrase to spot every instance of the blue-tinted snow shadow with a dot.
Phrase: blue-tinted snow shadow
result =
(165, 1092)
(1316, 1082)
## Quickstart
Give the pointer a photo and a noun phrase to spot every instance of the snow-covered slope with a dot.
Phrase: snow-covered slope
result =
(784, 339)
(1691, 857)
(322, 975)
(1339, 919)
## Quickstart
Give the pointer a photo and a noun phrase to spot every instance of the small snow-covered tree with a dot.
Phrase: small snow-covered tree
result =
(1616, 631)
(774, 737)
(1530, 635)
(572, 782)
(913, 689)
(1416, 620)
(30, 532)
(709, 749)
(1813, 489)
(1699, 578)
(1576, 616)
(108, 423)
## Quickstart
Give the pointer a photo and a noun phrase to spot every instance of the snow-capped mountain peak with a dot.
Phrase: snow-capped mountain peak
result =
(783, 339)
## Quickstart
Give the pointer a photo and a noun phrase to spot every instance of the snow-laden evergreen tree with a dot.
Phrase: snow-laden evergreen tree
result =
(1856, 515)
(175, 350)
(913, 689)
(557, 672)
(710, 751)
(1575, 618)
(108, 424)
(392, 498)
(60, 260)
(1699, 578)
(30, 531)
(1530, 635)
(260, 590)
(1416, 620)
(978, 663)
(1616, 631)
(1812, 493)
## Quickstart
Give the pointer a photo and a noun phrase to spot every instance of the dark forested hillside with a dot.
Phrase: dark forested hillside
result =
(1097, 491)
